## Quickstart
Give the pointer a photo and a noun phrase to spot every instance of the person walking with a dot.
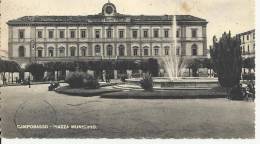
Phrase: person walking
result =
(4, 81)
(16, 80)
(29, 82)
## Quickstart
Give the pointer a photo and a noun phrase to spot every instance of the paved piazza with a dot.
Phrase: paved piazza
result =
(81, 117)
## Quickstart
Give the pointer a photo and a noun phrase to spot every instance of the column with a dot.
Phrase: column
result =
(115, 74)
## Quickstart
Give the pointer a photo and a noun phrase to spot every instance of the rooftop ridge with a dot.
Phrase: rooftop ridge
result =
(85, 18)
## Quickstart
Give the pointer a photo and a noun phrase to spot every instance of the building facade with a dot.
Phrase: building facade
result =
(107, 35)
(247, 43)
(247, 48)
(3, 54)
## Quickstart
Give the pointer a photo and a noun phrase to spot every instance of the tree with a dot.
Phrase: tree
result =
(207, 63)
(153, 67)
(37, 70)
(227, 60)
(194, 65)
(8, 66)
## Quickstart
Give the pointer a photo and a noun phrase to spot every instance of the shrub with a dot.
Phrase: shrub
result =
(75, 79)
(80, 80)
(37, 71)
(147, 82)
(90, 82)
(236, 93)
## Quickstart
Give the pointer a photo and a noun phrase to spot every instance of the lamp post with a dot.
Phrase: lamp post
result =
(33, 47)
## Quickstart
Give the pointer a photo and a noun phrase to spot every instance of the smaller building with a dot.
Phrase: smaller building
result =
(248, 53)
(247, 43)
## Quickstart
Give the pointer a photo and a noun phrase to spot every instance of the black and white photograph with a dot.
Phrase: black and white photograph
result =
(117, 69)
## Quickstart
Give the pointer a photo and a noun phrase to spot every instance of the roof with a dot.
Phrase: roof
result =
(247, 32)
(103, 18)
(100, 17)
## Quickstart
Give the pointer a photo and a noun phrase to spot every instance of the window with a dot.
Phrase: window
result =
(97, 50)
(72, 33)
(83, 51)
(135, 51)
(39, 52)
(72, 51)
(121, 50)
(146, 51)
(243, 50)
(21, 51)
(62, 34)
(83, 33)
(194, 33)
(134, 33)
(109, 50)
(178, 33)
(253, 35)
(62, 51)
(50, 34)
(248, 49)
(156, 51)
(155, 33)
(97, 34)
(178, 51)
(39, 34)
(109, 33)
(121, 33)
(51, 52)
(145, 33)
(247, 37)
(166, 50)
(21, 34)
(194, 50)
(166, 33)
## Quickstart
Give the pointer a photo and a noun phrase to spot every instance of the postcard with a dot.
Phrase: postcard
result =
(115, 69)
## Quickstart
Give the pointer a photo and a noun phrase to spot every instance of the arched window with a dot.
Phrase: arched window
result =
(50, 51)
(83, 51)
(156, 50)
(135, 51)
(21, 51)
(146, 51)
(72, 51)
(194, 50)
(109, 50)
(121, 50)
(39, 51)
(97, 50)
(167, 50)
(61, 51)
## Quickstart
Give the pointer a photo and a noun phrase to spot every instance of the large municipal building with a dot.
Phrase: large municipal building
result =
(107, 35)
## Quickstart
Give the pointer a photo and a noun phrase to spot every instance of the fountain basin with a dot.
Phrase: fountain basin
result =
(180, 83)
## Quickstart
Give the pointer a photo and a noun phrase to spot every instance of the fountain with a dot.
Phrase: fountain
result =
(174, 64)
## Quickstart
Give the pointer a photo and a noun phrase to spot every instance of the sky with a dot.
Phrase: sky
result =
(222, 15)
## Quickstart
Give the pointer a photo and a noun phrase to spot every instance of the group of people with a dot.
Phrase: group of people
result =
(249, 91)
(106, 77)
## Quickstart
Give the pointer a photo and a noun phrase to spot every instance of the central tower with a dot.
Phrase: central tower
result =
(109, 9)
